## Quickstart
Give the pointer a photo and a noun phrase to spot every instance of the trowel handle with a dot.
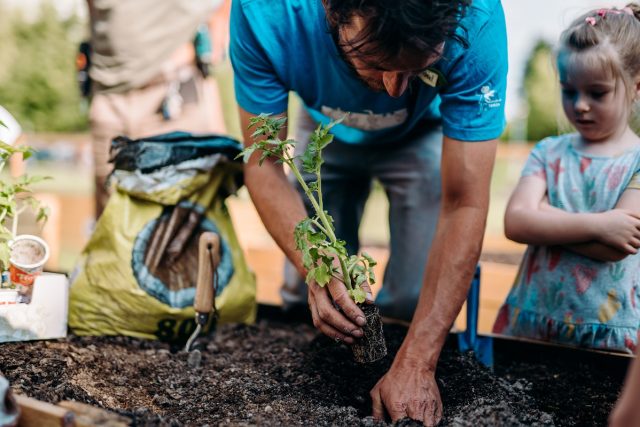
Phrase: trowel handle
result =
(473, 304)
(208, 259)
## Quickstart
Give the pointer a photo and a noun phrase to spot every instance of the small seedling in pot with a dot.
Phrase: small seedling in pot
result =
(16, 196)
(324, 255)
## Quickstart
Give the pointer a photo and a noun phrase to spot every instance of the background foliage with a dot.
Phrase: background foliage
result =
(542, 93)
(37, 77)
(37, 71)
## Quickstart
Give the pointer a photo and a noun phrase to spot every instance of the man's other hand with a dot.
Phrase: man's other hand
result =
(407, 391)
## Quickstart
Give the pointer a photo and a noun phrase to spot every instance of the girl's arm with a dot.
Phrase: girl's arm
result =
(627, 207)
(597, 251)
(526, 222)
(594, 250)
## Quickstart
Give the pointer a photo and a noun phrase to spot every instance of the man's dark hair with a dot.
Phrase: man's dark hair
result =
(393, 26)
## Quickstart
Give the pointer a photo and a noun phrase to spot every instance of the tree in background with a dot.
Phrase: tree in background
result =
(37, 73)
(541, 93)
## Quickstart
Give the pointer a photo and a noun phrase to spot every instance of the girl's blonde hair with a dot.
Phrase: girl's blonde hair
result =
(612, 39)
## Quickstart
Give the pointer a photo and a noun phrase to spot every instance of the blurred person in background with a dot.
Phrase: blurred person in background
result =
(11, 133)
(10, 129)
(149, 70)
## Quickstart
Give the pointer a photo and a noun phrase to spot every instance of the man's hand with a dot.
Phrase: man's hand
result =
(407, 390)
(343, 325)
(620, 229)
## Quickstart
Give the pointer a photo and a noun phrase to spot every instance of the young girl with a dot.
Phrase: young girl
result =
(577, 204)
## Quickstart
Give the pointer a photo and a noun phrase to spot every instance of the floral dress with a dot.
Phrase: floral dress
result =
(564, 297)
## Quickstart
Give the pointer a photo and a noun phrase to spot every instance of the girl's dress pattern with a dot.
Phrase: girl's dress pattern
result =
(564, 297)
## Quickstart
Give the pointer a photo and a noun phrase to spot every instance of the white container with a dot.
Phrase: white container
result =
(44, 318)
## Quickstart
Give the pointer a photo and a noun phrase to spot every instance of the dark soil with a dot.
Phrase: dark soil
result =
(286, 374)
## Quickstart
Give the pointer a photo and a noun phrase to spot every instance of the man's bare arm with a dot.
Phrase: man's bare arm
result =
(409, 388)
(466, 177)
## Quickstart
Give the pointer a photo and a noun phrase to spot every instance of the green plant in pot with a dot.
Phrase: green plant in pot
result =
(323, 254)
(23, 255)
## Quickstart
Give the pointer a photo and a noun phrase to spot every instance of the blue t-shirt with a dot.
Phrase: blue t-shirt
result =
(286, 45)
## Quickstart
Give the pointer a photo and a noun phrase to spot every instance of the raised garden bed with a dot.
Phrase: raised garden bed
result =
(276, 373)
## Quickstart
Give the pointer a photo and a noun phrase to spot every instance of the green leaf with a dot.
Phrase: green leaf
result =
(10, 149)
(5, 235)
(358, 295)
(307, 259)
(340, 247)
(324, 140)
(310, 257)
(246, 153)
(372, 262)
(360, 279)
(311, 160)
(372, 276)
(13, 149)
(265, 125)
(316, 238)
(329, 218)
(265, 154)
(311, 274)
(322, 275)
(313, 186)
(358, 269)
(353, 260)
(5, 254)
(43, 214)
(300, 233)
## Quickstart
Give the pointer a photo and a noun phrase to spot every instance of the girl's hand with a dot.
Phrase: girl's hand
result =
(620, 229)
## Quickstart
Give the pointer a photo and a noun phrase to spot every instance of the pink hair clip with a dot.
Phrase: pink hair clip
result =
(590, 20)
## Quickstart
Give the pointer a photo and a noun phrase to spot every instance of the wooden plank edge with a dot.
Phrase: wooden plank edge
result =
(34, 413)
(89, 415)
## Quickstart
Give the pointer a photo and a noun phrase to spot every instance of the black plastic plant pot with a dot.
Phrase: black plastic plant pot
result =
(372, 346)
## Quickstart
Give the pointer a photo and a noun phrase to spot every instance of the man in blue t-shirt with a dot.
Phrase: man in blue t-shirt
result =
(423, 82)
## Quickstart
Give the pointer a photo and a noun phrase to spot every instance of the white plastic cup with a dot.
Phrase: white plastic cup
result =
(28, 256)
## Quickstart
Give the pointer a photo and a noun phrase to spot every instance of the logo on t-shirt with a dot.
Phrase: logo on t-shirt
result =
(368, 120)
(432, 77)
(488, 99)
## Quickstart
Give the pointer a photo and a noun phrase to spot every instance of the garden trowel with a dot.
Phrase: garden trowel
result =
(206, 286)
(481, 346)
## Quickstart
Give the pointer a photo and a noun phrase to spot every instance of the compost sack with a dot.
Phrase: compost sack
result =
(137, 274)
